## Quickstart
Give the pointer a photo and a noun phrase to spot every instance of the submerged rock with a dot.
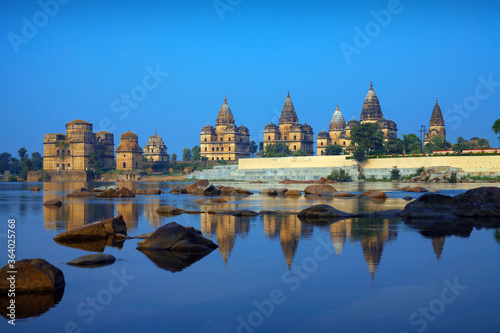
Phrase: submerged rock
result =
(89, 231)
(237, 212)
(35, 189)
(147, 191)
(293, 193)
(53, 202)
(322, 211)
(173, 211)
(174, 237)
(93, 260)
(33, 276)
(81, 192)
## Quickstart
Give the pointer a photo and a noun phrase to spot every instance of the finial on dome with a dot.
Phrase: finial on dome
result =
(225, 99)
(371, 85)
(155, 133)
(288, 95)
(436, 99)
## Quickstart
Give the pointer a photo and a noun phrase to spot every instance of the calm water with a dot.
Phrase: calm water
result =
(270, 274)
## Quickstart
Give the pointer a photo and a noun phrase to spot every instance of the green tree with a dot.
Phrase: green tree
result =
(367, 136)
(299, 152)
(174, 157)
(279, 149)
(5, 159)
(23, 153)
(395, 173)
(394, 146)
(437, 143)
(186, 154)
(411, 144)
(459, 146)
(483, 143)
(253, 147)
(36, 161)
(339, 175)
(333, 150)
(261, 146)
(496, 128)
(196, 153)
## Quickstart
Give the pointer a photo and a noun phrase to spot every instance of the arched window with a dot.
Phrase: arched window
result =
(213, 149)
(295, 137)
(229, 148)
(294, 147)
(57, 166)
(221, 148)
(344, 143)
(62, 166)
(213, 159)
(205, 148)
(221, 139)
(335, 143)
(217, 149)
(321, 143)
(269, 138)
(285, 137)
(222, 158)
(58, 153)
(205, 139)
(229, 139)
(151, 149)
(69, 166)
(217, 158)
(124, 165)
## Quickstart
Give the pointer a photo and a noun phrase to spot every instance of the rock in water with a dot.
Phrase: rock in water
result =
(293, 193)
(53, 202)
(378, 195)
(34, 188)
(211, 190)
(33, 276)
(319, 189)
(93, 260)
(90, 231)
(322, 212)
(173, 236)
(115, 225)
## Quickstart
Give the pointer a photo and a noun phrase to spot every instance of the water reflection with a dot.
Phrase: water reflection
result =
(31, 305)
(172, 262)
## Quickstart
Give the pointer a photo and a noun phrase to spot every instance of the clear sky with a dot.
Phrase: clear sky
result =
(81, 59)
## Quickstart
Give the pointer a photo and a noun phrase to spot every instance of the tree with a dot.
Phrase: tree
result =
(367, 136)
(23, 153)
(37, 161)
(279, 149)
(394, 146)
(174, 157)
(333, 150)
(253, 147)
(299, 152)
(5, 159)
(411, 144)
(196, 153)
(186, 154)
(483, 143)
(261, 146)
(437, 143)
(496, 128)
(395, 173)
(459, 146)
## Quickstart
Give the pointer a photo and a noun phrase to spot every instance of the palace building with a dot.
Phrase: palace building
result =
(289, 131)
(72, 151)
(225, 142)
(339, 130)
(128, 153)
(436, 125)
(155, 150)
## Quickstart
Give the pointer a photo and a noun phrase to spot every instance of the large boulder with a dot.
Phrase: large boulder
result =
(293, 193)
(343, 194)
(93, 260)
(33, 276)
(416, 189)
(176, 238)
(431, 205)
(211, 190)
(319, 189)
(53, 202)
(115, 225)
(479, 202)
(177, 189)
(377, 195)
(90, 231)
(322, 211)
(124, 193)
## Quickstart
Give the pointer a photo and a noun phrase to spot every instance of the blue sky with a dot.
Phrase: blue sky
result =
(86, 57)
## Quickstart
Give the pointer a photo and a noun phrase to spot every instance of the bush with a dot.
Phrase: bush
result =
(339, 175)
(453, 178)
(395, 173)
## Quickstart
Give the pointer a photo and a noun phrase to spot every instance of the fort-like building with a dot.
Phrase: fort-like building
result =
(128, 153)
(289, 131)
(73, 150)
(436, 125)
(339, 130)
(156, 150)
(226, 141)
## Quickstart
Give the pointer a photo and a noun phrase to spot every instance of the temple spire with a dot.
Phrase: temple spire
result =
(288, 114)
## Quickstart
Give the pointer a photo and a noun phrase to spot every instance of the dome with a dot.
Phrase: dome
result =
(337, 122)
(307, 128)
(437, 117)
(353, 122)
(382, 123)
(131, 136)
(231, 128)
(288, 114)
(243, 130)
(225, 115)
(207, 129)
(156, 138)
(323, 135)
(78, 121)
(296, 127)
(271, 127)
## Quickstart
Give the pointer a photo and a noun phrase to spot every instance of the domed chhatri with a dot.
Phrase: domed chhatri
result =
(128, 153)
(436, 125)
(72, 151)
(226, 141)
(289, 131)
(339, 131)
(156, 150)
